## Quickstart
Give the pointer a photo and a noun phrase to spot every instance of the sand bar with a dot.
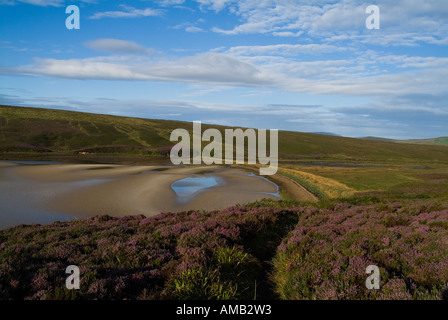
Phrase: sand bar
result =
(119, 190)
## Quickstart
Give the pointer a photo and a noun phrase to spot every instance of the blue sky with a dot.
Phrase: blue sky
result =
(309, 66)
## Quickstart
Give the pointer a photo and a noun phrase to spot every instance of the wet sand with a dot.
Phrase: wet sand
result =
(79, 190)
(290, 188)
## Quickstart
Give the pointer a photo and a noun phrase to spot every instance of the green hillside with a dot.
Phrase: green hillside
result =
(48, 131)
(435, 141)
(306, 145)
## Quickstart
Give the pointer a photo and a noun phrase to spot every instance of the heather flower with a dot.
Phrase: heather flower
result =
(395, 205)
(14, 283)
(40, 281)
(339, 245)
(323, 257)
(385, 241)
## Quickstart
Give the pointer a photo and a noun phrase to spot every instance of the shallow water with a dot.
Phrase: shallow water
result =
(186, 188)
(21, 199)
(28, 162)
(19, 203)
(276, 193)
(27, 201)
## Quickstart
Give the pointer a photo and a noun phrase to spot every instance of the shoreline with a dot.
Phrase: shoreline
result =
(86, 190)
(97, 158)
(292, 189)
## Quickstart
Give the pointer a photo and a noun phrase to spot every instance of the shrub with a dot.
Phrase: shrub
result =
(326, 255)
(140, 258)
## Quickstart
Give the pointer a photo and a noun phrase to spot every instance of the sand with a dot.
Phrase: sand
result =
(119, 190)
(290, 188)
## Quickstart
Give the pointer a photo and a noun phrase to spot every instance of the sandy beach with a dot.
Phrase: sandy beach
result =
(84, 190)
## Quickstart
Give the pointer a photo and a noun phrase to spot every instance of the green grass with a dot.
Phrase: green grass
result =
(66, 131)
(312, 147)
(49, 130)
(307, 185)
(366, 179)
(435, 141)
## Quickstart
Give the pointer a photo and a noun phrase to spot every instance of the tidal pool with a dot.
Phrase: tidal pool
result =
(189, 187)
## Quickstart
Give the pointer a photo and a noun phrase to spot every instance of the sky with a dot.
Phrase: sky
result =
(309, 66)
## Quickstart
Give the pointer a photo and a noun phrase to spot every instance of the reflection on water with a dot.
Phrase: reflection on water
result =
(22, 200)
(188, 187)
(19, 203)
(276, 193)
(25, 201)
(29, 162)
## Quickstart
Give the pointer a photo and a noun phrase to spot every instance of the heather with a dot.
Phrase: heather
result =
(187, 255)
(265, 250)
(326, 255)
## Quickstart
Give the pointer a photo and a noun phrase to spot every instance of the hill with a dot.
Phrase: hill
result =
(327, 134)
(378, 139)
(49, 132)
(433, 141)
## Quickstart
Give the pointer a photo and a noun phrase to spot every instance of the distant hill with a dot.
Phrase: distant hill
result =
(49, 131)
(433, 141)
(327, 134)
(378, 139)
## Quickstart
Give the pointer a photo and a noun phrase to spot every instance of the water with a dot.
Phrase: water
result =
(28, 162)
(276, 193)
(186, 188)
(25, 201)
(22, 201)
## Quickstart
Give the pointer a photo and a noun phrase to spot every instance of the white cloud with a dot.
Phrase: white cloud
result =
(190, 26)
(424, 20)
(284, 49)
(210, 68)
(116, 45)
(193, 29)
(128, 12)
(216, 5)
(341, 77)
(170, 2)
(90, 68)
(404, 61)
(287, 34)
(41, 3)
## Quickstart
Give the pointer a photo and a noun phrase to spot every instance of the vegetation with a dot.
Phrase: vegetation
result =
(247, 252)
(326, 255)
(380, 203)
(49, 133)
(189, 255)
